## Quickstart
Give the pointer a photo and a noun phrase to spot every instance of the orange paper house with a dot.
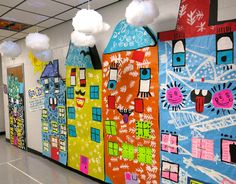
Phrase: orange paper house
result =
(130, 106)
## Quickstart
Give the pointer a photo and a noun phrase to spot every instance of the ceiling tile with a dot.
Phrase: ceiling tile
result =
(50, 22)
(68, 15)
(95, 4)
(19, 35)
(6, 32)
(24, 17)
(10, 2)
(9, 39)
(33, 29)
(72, 2)
(44, 7)
(3, 10)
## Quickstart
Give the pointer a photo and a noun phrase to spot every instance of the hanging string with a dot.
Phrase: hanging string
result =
(88, 4)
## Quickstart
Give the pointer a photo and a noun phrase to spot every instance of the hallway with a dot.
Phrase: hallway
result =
(20, 167)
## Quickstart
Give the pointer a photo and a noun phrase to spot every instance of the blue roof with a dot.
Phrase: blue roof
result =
(78, 56)
(128, 37)
(51, 70)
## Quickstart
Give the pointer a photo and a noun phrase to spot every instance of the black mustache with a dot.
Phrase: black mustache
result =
(80, 93)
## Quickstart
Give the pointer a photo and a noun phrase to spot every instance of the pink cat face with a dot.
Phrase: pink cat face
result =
(174, 96)
(223, 99)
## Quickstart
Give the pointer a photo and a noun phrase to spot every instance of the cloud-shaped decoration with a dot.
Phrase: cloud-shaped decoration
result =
(82, 40)
(37, 41)
(141, 12)
(45, 55)
(89, 22)
(10, 49)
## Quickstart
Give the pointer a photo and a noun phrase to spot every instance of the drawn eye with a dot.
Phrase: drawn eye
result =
(178, 51)
(225, 50)
(112, 79)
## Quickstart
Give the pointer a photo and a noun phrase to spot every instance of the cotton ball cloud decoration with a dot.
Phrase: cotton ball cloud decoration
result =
(45, 55)
(37, 41)
(141, 12)
(82, 40)
(89, 22)
(10, 49)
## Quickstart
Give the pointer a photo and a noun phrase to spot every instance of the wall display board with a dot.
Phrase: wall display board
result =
(130, 106)
(15, 77)
(198, 100)
(84, 110)
(36, 98)
(54, 126)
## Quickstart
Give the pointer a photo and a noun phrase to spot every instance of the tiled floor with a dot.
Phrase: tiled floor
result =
(20, 167)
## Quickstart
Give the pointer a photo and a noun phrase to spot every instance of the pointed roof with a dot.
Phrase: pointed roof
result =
(51, 70)
(128, 37)
(79, 56)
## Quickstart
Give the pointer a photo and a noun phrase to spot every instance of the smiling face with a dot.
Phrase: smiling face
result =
(174, 96)
(223, 99)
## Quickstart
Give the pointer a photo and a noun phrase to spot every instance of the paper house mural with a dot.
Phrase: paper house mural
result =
(84, 109)
(130, 106)
(16, 111)
(197, 98)
(54, 126)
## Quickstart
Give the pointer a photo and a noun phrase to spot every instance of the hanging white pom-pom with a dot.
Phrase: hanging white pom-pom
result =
(81, 39)
(10, 49)
(89, 22)
(37, 41)
(141, 12)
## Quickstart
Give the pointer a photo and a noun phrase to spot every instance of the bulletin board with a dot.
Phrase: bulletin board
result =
(15, 78)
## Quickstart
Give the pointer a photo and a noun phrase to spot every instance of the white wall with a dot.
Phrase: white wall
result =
(2, 125)
(60, 37)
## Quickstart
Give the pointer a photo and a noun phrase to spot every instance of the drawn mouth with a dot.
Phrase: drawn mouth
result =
(80, 102)
(222, 104)
(175, 101)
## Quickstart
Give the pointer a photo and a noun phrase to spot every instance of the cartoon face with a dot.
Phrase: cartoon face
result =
(174, 96)
(223, 99)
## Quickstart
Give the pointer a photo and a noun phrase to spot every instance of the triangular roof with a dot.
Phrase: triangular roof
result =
(83, 57)
(51, 70)
(198, 18)
(128, 37)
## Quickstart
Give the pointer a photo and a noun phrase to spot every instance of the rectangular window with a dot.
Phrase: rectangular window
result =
(97, 114)
(145, 155)
(62, 145)
(54, 127)
(128, 151)
(56, 84)
(228, 151)
(143, 129)
(45, 146)
(169, 143)
(70, 93)
(63, 130)
(61, 112)
(170, 171)
(94, 92)
(203, 148)
(44, 113)
(71, 112)
(45, 127)
(72, 131)
(95, 135)
(113, 148)
(110, 127)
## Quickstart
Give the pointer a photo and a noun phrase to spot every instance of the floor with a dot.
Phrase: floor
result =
(21, 167)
